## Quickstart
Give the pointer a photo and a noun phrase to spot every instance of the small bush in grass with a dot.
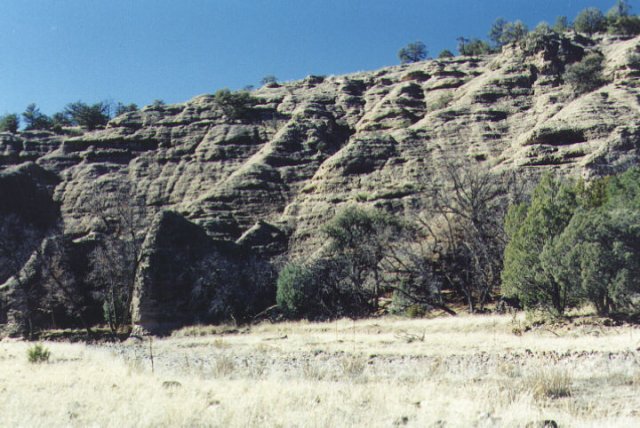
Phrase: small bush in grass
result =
(38, 353)
(313, 371)
(292, 289)
(416, 311)
(633, 61)
(549, 384)
(224, 366)
(443, 101)
(353, 366)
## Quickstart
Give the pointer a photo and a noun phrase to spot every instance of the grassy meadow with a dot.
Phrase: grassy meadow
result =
(466, 371)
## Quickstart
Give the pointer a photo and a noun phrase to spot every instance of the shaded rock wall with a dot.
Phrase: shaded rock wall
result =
(27, 214)
(185, 277)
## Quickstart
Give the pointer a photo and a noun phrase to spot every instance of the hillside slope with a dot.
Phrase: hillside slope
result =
(269, 178)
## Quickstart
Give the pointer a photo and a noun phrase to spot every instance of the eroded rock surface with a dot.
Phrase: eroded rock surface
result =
(270, 178)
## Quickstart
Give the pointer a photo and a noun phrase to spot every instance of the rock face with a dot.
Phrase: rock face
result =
(185, 277)
(163, 292)
(27, 211)
(270, 177)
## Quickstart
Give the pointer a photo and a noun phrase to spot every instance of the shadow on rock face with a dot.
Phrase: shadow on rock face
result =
(186, 277)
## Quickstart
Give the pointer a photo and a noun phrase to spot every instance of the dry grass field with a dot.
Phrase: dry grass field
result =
(445, 372)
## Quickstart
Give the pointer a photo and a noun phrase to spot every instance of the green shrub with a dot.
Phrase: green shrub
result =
(445, 54)
(269, 81)
(598, 255)
(418, 75)
(532, 229)
(293, 289)
(125, 108)
(362, 197)
(586, 75)
(413, 52)
(318, 289)
(590, 21)
(235, 105)
(88, 116)
(9, 123)
(416, 311)
(38, 353)
(633, 61)
(345, 279)
(561, 25)
(542, 37)
(59, 121)
(503, 32)
(34, 119)
(624, 25)
(473, 47)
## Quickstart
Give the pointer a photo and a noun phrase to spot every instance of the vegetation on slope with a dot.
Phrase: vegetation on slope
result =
(559, 251)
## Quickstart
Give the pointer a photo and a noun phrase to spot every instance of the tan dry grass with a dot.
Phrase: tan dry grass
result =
(466, 371)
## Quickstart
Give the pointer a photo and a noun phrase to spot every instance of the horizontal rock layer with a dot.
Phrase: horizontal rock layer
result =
(310, 146)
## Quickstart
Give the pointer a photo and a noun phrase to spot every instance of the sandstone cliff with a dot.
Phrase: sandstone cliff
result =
(268, 179)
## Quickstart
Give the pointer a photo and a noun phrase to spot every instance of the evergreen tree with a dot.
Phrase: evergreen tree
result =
(445, 54)
(586, 75)
(125, 108)
(9, 123)
(561, 25)
(473, 47)
(34, 119)
(532, 229)
(497, 31)
(598, 256)
(88, 116)
(622, 8)
(360, 238)
(413, 52)
(503, 32)
(590, 21)
(621, 21)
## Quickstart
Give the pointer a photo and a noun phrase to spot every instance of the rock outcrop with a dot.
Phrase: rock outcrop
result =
(185, 277)
(270, 177)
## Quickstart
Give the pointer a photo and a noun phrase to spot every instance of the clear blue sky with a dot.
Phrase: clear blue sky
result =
(53, 52)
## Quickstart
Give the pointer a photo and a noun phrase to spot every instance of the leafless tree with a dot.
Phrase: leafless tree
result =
(59, 279)
(121, 227)
(459, 236)
(18, 241)
(411, 270)
(225, 288)
(59, 283)
(359, 239)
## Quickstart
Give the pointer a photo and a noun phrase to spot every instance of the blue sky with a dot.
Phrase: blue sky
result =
(53, 52)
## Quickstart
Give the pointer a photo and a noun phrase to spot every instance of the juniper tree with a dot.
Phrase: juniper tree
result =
(590, 21)
(413, 52)
(532, 228)
(9, 123)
